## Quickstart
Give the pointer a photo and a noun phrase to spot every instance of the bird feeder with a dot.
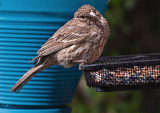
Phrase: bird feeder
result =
(24, 27)
(120, 73)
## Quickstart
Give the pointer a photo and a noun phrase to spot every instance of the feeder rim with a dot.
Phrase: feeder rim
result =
(95, 66)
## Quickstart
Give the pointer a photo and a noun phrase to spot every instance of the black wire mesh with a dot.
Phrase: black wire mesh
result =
(129, 72)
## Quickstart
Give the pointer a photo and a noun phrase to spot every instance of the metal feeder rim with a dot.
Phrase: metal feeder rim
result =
(94, 66)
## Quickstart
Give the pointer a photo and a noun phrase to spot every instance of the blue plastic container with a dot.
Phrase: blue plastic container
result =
(24, 26)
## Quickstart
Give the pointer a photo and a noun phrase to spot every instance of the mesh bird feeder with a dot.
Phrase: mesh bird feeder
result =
(128, 72)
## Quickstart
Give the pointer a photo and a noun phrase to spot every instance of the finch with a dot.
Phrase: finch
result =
(79, 41)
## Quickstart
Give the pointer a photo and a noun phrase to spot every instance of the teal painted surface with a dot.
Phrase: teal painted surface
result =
(24, 26)
(67, 110)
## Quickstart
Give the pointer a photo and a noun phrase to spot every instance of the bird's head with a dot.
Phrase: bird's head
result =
(87, 12)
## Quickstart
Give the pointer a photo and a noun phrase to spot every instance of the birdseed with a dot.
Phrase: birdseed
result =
(132, 76)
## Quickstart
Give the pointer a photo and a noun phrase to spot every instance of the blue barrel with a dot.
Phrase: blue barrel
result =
(24, 26)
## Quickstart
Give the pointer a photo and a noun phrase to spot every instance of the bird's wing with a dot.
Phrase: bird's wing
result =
(66, 36)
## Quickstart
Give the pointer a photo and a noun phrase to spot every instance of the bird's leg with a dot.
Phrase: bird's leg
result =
(82, 62)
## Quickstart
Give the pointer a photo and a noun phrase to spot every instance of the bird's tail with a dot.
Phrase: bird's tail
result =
(27, 76)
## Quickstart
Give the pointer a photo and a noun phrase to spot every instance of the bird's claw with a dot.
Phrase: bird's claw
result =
(82, 62)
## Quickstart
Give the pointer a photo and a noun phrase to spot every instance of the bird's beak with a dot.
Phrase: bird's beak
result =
(92, 14)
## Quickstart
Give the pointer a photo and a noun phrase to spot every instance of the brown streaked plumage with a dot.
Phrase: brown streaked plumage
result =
(81, 40)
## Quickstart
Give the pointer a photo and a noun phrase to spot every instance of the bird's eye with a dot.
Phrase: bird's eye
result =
(82, 16)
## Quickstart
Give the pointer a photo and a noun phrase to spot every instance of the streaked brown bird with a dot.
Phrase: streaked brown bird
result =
(81, 40)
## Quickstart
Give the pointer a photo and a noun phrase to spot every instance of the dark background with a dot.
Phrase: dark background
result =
(135, 29)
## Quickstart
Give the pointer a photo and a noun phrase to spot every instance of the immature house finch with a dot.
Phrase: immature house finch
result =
(81, 40)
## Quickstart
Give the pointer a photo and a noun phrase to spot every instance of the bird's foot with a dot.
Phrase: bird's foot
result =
(82, 62)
